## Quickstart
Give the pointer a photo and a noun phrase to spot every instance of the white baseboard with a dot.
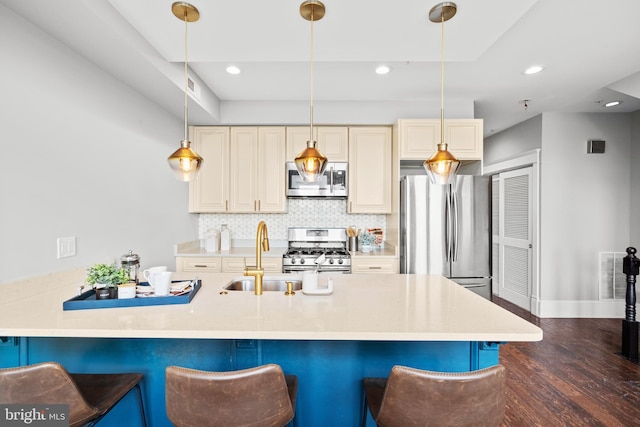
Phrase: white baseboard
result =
(578, 309)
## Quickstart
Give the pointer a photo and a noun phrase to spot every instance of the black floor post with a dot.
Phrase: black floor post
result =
(630, 267)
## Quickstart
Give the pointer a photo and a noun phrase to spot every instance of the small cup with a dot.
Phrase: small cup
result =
(309, 281)
(149, 272)
(161, 282)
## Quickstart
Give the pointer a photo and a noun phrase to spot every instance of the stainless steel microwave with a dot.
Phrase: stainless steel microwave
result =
(333, 184)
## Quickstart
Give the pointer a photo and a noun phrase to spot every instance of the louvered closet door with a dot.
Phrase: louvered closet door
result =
(515, 237)
(495, 234)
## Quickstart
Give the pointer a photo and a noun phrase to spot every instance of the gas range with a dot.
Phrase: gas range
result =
(321, 248)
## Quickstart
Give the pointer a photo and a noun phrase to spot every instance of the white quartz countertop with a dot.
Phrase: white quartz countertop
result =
(278, 248)
(377, 307)
(242, 248)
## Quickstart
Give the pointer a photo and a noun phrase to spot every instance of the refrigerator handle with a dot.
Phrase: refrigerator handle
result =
(447, 227)
(454, 226)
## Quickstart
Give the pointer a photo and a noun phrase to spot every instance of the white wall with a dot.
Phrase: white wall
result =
(338, 113)
(82, 155)
(518, 139)
(585, 206)
(587, 202)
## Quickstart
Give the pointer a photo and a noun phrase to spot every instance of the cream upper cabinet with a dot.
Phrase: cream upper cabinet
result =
(464, 137)
(243, 169)
(243, 190)
(209, 191)
(418, 138)
(333, 141)
(271, 170)
(257, 169)
(370, 170)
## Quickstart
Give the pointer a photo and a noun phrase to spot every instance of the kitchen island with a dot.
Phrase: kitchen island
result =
(368, 324)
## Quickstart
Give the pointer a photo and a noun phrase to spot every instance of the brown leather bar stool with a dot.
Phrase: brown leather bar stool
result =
(414, 397)
(261, 396)
(89, 396)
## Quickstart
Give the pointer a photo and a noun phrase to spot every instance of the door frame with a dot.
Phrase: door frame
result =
(528, 158)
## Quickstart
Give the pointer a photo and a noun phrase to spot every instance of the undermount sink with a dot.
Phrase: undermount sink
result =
(268, 284)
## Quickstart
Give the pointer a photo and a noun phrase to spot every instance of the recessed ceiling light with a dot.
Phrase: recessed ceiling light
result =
(232, 69)
(383, 69)
(612, 103)
(534, 69)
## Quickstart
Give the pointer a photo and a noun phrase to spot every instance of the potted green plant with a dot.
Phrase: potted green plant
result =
(105, 279)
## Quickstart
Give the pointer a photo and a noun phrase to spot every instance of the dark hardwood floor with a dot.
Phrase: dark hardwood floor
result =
(575, 376)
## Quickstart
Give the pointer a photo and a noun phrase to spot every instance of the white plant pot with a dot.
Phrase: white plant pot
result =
(126, 291)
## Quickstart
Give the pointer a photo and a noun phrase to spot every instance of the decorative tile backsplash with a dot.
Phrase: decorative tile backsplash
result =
(302, 213)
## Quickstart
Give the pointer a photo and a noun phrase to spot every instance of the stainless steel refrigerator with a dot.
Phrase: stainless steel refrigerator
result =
(445, 229)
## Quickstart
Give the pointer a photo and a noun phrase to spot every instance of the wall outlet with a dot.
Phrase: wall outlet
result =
(66, 247)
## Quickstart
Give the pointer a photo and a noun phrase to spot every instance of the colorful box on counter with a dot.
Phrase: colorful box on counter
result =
(379, 236)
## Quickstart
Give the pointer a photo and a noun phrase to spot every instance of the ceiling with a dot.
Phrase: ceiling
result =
(589, 50)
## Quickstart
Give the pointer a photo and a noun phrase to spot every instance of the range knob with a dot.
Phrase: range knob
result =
(340, 261)
(331, 261)
(301, 260)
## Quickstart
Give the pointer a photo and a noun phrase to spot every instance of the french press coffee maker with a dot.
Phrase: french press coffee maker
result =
(131, 264)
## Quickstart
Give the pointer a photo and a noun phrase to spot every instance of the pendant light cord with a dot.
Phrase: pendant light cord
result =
(311, 78)
(186, 78)
(442, 82)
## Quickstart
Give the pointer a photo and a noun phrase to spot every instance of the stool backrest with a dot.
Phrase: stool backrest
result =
(428, 398)
(45, 383)
(256, 396)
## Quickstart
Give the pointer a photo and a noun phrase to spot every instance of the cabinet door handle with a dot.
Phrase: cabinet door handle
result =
(254, 205)
(375, 268)
(201, 265)
(226, 205)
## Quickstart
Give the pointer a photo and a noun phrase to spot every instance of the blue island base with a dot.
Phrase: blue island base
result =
(329, 372)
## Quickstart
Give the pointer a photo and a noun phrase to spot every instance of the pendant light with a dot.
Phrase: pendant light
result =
(310, 162)
(185, 162)
(442, 166)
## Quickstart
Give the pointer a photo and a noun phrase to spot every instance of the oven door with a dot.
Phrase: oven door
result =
(333, 184)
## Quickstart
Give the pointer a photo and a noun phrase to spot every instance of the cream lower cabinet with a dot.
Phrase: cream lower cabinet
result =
(199, 264)
(270, 265)
(217, 264)
(209, 191)
(333, 141)
(257, 169)
(418, 138)
(374, 264)
(370, 170)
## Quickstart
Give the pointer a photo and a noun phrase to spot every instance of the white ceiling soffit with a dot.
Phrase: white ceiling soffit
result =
(589, 56)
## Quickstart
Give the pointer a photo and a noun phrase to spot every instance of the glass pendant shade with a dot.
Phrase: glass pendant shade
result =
(311, 163)
(442, 166)
(185, 162)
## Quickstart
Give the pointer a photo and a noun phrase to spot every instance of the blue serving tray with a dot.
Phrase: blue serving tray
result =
(87, 300)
